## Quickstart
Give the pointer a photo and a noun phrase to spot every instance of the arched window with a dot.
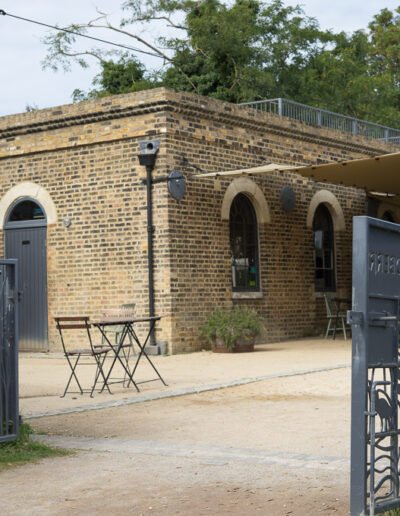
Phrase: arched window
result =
(388, 215)
(26, 213)
(244, 245)
(324, 250)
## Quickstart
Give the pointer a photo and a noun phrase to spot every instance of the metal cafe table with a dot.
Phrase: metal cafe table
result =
(127, 324)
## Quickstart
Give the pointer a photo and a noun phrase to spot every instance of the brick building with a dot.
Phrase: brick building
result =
(71, 194)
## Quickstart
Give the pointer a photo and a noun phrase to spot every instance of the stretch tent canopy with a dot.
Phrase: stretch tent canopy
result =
(379, 175)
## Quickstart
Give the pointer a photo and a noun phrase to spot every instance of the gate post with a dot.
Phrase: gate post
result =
(9, 406)
(375, 318)
(359, 376)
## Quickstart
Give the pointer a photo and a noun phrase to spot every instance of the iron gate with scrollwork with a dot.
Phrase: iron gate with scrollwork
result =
(375, 320)
(9, 412)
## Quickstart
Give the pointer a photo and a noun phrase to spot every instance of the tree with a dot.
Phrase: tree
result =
(244, 50)
(334, 79)
(122, 76)
(384, 33)
(360, 75)
(249, 51)
(236, 51)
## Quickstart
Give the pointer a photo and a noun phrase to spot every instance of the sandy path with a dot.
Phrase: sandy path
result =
(277, 447)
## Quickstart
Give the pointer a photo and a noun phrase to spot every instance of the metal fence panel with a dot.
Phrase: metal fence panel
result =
(318, 117)
(375, 319)
(9, 409)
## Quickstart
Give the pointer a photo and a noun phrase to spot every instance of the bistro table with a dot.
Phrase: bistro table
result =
(127, 324)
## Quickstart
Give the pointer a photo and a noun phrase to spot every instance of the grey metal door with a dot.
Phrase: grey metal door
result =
(28, 246)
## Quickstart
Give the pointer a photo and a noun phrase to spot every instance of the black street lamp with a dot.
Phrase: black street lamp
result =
(147, 158)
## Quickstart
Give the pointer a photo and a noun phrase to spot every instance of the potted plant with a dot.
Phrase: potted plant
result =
(232, 331)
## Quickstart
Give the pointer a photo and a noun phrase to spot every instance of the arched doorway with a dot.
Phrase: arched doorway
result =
(25, 232)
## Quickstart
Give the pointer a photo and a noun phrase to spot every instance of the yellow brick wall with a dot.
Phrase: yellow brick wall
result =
(85, 156)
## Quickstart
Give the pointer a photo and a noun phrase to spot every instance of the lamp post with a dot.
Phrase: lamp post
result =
(147, 158)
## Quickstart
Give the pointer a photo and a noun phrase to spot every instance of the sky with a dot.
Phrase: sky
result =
(24, 82)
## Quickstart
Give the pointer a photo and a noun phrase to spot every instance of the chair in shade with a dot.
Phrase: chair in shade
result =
(336, 317)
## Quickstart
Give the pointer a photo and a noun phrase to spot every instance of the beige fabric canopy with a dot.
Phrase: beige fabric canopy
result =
(378, 175)
(271, 167)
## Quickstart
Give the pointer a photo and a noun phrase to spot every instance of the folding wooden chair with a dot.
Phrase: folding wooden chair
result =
(89, 350)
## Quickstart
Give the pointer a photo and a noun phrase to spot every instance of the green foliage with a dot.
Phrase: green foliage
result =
(231, 325)
(60, 55)
(244, 50)
(218, 50)
(249, 50)
(122, 76)
(25, 450)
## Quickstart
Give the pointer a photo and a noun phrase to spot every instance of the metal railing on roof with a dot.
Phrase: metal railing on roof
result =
(323, 118)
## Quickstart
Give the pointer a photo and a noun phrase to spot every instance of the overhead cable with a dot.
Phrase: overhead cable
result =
(75, 33)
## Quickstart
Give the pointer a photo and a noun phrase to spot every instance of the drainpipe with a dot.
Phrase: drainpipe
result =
(147, 158)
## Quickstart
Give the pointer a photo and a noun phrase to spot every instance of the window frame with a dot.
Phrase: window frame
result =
(323, 212)
(40, 222)
(247, 243)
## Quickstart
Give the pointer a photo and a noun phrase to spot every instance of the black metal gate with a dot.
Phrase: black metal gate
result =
(9, 411)
(375, 366)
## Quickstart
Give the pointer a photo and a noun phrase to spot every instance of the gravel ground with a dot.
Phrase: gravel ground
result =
(275, 447)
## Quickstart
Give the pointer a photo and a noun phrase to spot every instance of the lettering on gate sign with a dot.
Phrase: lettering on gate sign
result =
(381, 263)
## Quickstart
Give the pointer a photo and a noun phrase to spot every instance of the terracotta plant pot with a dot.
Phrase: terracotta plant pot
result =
(241, 346)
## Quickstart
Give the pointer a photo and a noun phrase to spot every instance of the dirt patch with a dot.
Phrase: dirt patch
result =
(119, 484)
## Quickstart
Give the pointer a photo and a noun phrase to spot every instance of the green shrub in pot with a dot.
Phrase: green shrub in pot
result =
(230, 326)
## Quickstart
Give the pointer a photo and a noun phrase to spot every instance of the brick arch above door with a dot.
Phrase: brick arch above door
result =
(33, 191)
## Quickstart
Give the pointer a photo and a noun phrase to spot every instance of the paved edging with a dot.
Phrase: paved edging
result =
(141, 398)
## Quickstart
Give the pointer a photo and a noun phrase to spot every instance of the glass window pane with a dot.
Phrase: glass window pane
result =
(328, 259)
(323, 249)
(244, 244)
(26, 210)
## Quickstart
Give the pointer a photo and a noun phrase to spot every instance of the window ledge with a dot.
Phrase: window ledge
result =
(247, 295)
(321, 293)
